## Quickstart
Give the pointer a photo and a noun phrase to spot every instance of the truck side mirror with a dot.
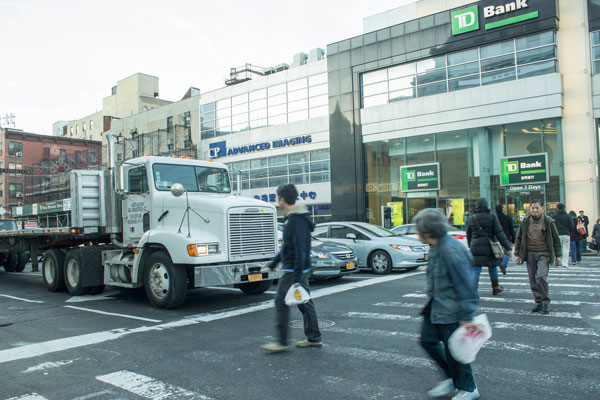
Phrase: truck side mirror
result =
(177, 189)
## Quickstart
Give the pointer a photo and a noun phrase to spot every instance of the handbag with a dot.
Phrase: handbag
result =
(497, 249)
(581, 227)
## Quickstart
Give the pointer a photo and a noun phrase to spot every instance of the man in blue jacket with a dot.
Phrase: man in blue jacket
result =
(452, 302)
(295, 258)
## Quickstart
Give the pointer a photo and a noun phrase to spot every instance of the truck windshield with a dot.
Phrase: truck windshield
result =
(193, 178)
(8, 225)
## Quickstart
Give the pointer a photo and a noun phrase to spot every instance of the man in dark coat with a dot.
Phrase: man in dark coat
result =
(483, 227)
(506, 223)
(295, 259)
(564, 226)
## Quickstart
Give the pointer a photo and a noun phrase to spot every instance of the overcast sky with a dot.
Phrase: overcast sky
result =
(59, 59)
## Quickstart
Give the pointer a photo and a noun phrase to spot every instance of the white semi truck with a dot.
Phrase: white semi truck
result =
(167, 224)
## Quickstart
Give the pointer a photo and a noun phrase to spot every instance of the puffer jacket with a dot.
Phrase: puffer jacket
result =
(479, 243)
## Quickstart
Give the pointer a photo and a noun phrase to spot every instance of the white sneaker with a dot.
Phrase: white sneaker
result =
(464, 395)
(443, 388)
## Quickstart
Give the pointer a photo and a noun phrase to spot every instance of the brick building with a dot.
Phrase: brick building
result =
(35, 168)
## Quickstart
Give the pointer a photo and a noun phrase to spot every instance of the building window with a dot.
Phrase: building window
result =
(169, 124)
(15, 190)
(71, 131)
(512, 59)
(1, 190)
(83, 125)
(19, 168)
(1, 148)
(77, 129)
(91, 124)
(11, 168)
(595, 40)
(15, 149)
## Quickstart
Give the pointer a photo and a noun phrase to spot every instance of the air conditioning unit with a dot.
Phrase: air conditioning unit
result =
(169, 142)
(19, 154)
(19, 194)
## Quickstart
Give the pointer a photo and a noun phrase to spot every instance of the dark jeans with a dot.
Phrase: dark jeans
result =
(311, 325)
(575, 251)
(432, 338)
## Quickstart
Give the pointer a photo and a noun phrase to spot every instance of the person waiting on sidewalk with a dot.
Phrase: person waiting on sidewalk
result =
(539, 246)
(452, 302)
(576, 239)
(586, 221)
(564, 226)
(484, 227)
(295, 257)
(596, 236)
(506, 223)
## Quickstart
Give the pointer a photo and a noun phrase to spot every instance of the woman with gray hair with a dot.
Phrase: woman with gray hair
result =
(452, 302)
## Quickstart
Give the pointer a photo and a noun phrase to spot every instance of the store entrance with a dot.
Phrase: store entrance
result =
(414, 205)
(517, 203)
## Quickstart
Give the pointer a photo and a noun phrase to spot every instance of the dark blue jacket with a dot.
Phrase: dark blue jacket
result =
(451, 282)
(295, 251)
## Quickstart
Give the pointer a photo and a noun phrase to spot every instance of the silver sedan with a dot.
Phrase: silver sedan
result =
(377, 248)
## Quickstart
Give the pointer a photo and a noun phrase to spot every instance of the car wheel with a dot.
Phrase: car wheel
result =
(380, 262)
(165, 283)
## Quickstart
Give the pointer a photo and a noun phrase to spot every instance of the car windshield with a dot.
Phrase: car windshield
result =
(193, 178)
(8, 225)
(375, 230)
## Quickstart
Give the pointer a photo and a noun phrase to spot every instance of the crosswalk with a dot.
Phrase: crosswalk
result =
(385, 331)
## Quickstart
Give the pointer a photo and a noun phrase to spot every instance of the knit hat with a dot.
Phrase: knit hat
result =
(482, 203)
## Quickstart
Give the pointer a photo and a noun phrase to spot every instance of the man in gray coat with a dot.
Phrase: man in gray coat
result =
(539, 245)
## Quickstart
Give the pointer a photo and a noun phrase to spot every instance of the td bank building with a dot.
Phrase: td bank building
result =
(440, 102)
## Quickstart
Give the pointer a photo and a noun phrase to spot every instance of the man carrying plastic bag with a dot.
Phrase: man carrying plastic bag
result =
(295, 258)
(452, 301)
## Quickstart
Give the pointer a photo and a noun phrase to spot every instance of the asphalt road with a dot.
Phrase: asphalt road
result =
(116, 346)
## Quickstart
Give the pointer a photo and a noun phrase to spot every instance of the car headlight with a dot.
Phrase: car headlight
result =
(202, 249)
(403, 248)
(318, 254)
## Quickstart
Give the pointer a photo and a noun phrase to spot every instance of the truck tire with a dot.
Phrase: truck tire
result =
(166, 284)
(255, 287)
(22, 260)
(10, 265)
(73, 270)
(53, 270)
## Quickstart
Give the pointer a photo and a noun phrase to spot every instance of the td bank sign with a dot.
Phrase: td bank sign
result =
(467, 19)
(524, 169)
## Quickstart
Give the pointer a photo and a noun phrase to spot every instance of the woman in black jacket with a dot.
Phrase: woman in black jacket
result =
(483, 227)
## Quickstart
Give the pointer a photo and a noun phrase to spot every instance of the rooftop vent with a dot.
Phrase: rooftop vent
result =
(299, 59)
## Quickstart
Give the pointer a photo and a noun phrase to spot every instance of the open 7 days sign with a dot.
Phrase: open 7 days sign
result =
(525, 169)
(420, 177)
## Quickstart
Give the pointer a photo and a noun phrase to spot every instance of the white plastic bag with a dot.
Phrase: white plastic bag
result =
(464, 343)
(296, 295)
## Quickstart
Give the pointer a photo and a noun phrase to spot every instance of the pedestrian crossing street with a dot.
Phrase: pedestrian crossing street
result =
(543, 355)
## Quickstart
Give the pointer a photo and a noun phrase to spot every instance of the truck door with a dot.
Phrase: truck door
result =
(136, 205)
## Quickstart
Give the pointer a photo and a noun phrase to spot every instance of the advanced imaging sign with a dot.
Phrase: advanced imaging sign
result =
(220, 149)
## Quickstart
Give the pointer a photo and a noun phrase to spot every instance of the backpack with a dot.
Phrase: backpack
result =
(581, 227)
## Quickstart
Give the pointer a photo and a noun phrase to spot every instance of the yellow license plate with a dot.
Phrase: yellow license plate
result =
(254, 277)
(427, 256)
(350, 265)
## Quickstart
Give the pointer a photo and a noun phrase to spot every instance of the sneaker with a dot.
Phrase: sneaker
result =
(274, 347)
(503, 269)
(544, 309)
(537, 308)
(443, 388)
(308, 343)
(464, 395)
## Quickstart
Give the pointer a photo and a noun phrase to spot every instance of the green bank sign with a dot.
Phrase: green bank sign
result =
(499, 15)
(420, 177)
(526, 169)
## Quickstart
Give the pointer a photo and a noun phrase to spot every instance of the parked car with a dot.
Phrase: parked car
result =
(378, 249)
(328, 259)
(331, 260)
(409, 230)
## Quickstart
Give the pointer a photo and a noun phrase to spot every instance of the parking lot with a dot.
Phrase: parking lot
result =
(116, 346)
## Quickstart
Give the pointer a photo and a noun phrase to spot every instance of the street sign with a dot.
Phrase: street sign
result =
(524, 169)
(420, 177)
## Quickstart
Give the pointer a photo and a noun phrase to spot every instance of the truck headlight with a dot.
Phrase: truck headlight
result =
(403, 248)
(202, 249)
(319, 254)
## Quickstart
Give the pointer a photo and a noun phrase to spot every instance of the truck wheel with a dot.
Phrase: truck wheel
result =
(165, 284)
(380, 262)
(73, 262)
(10, 265)
(255, 287)
(53, 270)
(22, 260)
(96, 289)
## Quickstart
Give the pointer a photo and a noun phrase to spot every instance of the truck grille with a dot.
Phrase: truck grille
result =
(251, 234)
(344, 255)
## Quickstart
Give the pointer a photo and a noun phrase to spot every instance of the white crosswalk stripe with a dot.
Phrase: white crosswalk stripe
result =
(147, 387)
(32, 396)
(501, 300)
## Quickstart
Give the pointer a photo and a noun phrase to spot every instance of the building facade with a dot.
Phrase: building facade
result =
(437, 110)
(35, 168)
